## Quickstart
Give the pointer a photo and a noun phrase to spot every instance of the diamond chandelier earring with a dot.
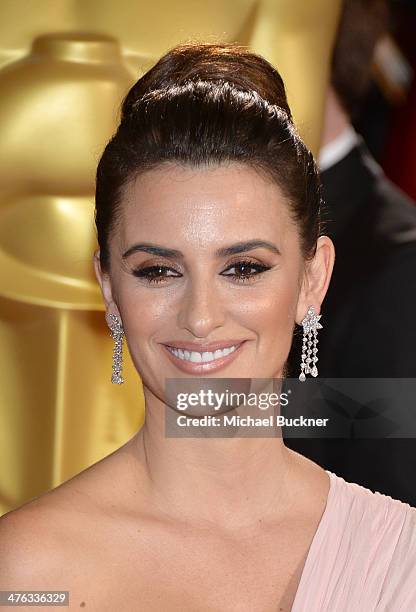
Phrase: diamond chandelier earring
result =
(117, 333)
(309, 347)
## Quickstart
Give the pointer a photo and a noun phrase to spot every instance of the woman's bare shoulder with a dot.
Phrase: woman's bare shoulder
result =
(77, 536)
(43, 541)
(29, 545)
(45, 549)
(33, 536)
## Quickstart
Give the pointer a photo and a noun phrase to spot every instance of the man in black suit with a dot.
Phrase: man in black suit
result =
(369, 312)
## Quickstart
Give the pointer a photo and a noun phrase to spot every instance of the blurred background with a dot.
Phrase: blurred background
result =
(387, 115)
(64, 68)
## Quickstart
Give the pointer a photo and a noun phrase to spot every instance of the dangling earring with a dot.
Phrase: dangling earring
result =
(310, 340)
(117, 333)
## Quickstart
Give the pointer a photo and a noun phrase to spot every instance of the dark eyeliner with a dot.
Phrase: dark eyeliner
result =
(146, 272)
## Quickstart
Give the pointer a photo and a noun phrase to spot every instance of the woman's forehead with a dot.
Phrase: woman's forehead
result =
(220, 199)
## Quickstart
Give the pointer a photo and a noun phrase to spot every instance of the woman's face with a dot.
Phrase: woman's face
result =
(173, 284)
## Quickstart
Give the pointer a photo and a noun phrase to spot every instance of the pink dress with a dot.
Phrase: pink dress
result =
(363, 555)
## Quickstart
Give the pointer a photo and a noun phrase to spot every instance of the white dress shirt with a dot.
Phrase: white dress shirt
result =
(334, 151)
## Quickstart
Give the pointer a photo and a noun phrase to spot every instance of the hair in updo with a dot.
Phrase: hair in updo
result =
(205, 104)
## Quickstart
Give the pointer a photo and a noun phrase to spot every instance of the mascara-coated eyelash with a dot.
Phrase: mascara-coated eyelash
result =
(151, 276)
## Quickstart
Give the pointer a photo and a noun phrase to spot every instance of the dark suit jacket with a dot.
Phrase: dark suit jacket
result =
(368, 316)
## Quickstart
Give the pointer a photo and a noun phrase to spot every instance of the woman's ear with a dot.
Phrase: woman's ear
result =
(105, 284)
(316, 278)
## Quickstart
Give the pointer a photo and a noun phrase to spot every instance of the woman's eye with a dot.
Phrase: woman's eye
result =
(159, 274)
(153, 274)
(244, 273)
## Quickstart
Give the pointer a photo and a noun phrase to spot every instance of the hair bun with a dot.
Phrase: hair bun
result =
(208, 104)
(225, 62)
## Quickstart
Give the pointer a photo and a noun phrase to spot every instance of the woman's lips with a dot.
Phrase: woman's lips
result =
(190, 367)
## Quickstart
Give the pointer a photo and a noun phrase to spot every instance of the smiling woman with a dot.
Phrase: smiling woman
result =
(221, 267)
(208, 213)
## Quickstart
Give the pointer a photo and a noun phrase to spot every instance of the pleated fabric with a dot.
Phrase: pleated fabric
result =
(363, 555)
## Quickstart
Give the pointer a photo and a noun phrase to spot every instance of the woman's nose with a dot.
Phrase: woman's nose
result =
(202, 309)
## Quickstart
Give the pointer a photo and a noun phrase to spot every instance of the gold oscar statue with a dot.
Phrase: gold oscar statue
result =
(64, 69)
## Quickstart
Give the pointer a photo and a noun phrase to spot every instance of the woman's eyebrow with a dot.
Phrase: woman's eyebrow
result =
(239, 247)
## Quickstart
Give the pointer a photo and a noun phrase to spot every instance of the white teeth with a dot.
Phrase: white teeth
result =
(196, 357)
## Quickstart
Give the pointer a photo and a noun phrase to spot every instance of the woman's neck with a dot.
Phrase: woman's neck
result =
(228, 482)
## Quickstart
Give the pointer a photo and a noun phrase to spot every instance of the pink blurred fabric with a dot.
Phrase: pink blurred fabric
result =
(363, 555)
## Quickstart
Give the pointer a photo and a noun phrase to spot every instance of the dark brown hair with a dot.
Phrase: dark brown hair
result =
(206, 104)
(361, 25)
